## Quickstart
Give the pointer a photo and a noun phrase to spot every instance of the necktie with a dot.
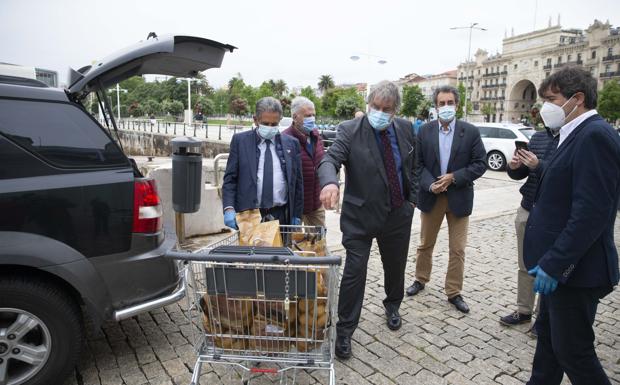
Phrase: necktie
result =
(266, 200)
(396, 196)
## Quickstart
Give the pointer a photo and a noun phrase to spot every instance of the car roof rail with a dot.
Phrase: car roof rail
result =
(19, 81)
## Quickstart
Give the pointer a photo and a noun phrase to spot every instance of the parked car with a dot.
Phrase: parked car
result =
(328, 134)
(80, 227)
(285, 123)
(499, 141)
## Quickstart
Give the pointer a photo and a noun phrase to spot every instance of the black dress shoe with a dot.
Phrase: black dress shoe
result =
(394, 321)
(343, 347)
(515, 318)
(415, 288)
(459, 303)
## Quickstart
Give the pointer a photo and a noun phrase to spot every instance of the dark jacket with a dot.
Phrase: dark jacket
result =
(543, 145)
(239, 188)
(467, 163)
(366, 196)
(309, 164)
(570, 230)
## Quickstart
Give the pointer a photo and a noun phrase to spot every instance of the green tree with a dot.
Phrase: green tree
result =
(204, 105)
(346, 106)
(308, 92)
(151, 107)
(326, 82)
(265, 89)
(235, 87)
(412, 99)
(135, 110)
(331, 97)
(462, 94)
(172, 107)
(220, 100)
(488, 110)
(286, 105)
(424, 107)
(280, 88)
(609, 101)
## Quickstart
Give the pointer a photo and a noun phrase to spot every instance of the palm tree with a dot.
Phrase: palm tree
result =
(326, 82)
(279, 87)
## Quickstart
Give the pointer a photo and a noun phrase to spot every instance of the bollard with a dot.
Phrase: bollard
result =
(206, 126)
(219, 135)
(194, 130)
(183, 129)
(186, 179)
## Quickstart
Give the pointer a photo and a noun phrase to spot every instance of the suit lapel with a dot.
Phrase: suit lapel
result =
(252, 150)
(403, 146)
(457, 137)
(434, 140)
(288, 163)
(371, 139)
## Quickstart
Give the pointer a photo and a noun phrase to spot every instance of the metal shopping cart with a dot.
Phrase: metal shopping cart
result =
(264, 310)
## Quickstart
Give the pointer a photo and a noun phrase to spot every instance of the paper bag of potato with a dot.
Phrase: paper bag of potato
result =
(254, 233)
(224, 317)
(309, 244)
(312, 317)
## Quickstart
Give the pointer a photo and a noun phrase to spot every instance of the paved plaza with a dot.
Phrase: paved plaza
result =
(436, 345)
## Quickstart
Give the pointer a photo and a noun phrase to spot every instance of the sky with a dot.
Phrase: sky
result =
(291, 40)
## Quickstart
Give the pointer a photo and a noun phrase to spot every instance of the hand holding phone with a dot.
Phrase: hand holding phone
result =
(521, 145)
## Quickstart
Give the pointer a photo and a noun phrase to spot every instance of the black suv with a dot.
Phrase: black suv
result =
(80, 227)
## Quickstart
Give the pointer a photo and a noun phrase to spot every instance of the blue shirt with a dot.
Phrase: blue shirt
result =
(395, 151)
(445, 145)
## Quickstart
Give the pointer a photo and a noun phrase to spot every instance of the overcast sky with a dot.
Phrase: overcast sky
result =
(291, 40)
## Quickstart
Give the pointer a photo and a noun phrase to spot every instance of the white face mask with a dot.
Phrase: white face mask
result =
(554, 115)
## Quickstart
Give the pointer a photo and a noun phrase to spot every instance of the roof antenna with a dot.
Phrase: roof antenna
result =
(151, 35)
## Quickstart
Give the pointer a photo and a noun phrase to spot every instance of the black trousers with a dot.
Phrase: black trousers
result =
(277, 212)
(566, 338)
(393, 242)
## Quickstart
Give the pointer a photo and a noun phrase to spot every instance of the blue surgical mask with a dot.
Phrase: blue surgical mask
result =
(267, 132)
(446, 113)
(379, 120)
(309, 123)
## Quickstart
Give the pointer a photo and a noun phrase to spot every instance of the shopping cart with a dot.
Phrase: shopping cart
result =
(264, 310)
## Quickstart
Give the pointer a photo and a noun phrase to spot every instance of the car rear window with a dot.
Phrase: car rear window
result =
(60, 133)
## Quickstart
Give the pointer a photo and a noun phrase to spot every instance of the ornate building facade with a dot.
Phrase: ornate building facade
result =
(503, 87)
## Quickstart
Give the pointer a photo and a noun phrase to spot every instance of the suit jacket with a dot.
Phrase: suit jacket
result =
(239, 189)
(467, 163)
(366, 195)
(570, 230)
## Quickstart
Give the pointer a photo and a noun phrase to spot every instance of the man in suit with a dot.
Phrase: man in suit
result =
(450, 157)
(304, 130)
(378, 153)
(569, 238)
(264, 170)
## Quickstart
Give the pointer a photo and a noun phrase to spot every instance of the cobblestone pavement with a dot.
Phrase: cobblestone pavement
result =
(436, 345)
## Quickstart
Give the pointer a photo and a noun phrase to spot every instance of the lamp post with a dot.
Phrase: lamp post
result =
(369, 57)
(471, 27)
(118, 101)
(189, 101)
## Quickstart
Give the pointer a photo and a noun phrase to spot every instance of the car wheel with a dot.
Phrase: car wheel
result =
(496, 161)
(40, 332)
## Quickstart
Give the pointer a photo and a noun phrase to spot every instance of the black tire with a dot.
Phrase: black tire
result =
(496, 161)
(58, 312)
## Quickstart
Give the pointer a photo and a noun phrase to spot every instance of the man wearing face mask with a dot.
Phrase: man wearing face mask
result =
(305, 131)
(569, 238)
(264, 170)
(378, 153)
(450, 157)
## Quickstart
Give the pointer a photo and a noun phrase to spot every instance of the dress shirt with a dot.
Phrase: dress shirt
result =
(395, 151)
(445, 145)
(279, 182)
(566, 129)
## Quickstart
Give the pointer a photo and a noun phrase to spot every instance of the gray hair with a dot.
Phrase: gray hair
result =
(446, 90)
(300, 102)
(385, 90)
(268, 104)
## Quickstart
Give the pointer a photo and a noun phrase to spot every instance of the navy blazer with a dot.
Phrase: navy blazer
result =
(239, 189)
(467, 163)
(570, 230)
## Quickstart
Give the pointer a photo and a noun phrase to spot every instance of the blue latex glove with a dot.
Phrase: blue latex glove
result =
(544, 283)
(229, 219)
(296, 222)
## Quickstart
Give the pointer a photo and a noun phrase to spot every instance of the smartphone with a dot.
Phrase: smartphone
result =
(521, 145)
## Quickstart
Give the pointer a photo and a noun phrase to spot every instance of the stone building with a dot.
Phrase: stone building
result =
(503, 87)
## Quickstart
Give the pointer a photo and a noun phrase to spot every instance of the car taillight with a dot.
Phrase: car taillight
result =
(147, 210)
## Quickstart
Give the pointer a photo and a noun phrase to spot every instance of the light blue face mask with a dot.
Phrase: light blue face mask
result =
(309, 123)
(267, 132)
(447, 113)
(379, 120)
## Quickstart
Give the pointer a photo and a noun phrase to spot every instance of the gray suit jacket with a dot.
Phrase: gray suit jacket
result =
(366, 195)
(467, 163)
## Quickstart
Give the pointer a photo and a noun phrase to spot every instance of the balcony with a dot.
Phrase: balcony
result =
(611, 57)
(576, 62)
(490, 86)
(547, 67)
(492, 74)
(504, 73)
(610, 74)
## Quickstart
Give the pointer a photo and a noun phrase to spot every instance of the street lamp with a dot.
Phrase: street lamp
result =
(118, 101)
(369, 57)
(471, 27)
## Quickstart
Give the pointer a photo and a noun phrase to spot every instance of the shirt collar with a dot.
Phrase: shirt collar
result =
(451, 125)
(260, 140)
(570, 126)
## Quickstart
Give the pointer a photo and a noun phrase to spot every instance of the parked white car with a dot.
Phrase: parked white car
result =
(499, 141)
(285, 123)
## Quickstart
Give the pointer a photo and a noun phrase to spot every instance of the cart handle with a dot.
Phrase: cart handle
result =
(280, 259)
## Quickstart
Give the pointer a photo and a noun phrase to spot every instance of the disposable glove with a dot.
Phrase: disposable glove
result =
(544, 283)
(229, 219)
(296, 222)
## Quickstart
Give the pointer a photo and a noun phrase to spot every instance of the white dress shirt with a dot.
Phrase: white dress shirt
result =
(568, 128)
(280, 190)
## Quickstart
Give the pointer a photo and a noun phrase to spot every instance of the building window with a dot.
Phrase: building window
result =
(478, 71)
(559, 59)
(485, 82)
(607, 68)
(548, 61)
(593, 54)
(486, 71)
(504, 81)
(578, 57)
(547, 74)
(497, 69)
(610, 51)
(569, 57)
(592, 71)
(535, 63)
(515, 67)
(506, 68)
